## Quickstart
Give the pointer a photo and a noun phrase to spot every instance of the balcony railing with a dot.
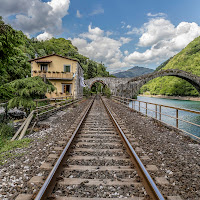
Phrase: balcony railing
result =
(54, 75)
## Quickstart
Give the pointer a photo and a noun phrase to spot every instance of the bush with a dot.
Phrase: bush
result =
(107, 92)
(6, 130)
(86, 92)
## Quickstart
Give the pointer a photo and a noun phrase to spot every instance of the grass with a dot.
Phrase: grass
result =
(6, 146)
(5, 151)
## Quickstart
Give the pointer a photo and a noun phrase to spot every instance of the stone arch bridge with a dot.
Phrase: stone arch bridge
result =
(129, 87)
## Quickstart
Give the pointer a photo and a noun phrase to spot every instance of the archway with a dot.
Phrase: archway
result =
(98, 86)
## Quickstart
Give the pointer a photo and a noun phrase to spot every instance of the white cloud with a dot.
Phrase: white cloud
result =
(78, 14)
(155, 30)
(156, 15)
(34, 16)
(125, 40)
(98, 46)
(97, 11)
(126, 52)
(136, 31)
(108, 33)
(9, 7)
(128, 26)
(44, 36)
(161, 38)
(164, 40)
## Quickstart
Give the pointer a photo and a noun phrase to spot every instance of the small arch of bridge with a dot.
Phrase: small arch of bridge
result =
(97, 81)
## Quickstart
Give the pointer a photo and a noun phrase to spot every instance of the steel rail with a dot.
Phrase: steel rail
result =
(49, 183)
(149, 184)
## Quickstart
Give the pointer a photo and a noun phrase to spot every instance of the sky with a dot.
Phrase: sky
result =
(119, 33)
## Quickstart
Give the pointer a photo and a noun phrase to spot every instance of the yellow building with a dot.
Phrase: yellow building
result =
(66, 74)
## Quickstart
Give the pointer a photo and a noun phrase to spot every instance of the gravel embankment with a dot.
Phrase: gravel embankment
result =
(16, 172)
(176, 156)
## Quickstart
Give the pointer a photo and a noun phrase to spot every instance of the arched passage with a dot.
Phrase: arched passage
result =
(97, 86)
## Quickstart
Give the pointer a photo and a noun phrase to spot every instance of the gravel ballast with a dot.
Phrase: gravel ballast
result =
(16, 172)
(176, 156)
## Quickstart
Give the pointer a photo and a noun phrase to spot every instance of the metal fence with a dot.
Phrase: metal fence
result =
(158, 113)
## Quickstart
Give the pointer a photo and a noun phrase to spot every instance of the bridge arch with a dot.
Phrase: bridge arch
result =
(132, 87)
(97, 81)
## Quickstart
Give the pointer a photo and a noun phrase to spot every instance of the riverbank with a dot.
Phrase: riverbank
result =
(189, 98)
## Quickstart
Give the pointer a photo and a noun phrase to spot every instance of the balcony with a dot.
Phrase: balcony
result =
(54, 75)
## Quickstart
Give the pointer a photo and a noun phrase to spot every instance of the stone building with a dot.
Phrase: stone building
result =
(66, 74)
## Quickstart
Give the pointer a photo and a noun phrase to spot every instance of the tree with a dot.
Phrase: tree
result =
(91, 70)
(13, 61)
(28, 89)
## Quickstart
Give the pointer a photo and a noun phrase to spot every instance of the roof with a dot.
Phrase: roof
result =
(36, 59)
(43, 61)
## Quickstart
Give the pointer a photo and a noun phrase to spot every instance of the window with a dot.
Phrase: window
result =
(67, 68)
(66, 88)
(44, 67)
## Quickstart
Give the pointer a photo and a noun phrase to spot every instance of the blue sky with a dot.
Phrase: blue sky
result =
(120, 33)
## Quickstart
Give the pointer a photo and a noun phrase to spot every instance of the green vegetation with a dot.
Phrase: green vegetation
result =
(8, 146)
(188, 60)
(100, 88)
(86, 92)
(28, 89)
(6, 132)
(107, 92)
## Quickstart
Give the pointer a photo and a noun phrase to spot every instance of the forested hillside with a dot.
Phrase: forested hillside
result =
(188, 60)
(16, 49)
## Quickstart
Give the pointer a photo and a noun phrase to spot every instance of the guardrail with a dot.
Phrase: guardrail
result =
(39, 112)
(158, 112)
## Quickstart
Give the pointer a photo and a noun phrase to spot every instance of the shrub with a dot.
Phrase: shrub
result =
(86, 92)
(107, 92)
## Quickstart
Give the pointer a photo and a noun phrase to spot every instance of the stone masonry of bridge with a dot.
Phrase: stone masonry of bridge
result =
(129, 87)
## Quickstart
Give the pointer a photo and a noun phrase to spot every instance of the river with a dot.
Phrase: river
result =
(192, 105)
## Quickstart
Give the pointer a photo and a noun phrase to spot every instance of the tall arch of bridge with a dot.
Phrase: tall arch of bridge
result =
(129, 87)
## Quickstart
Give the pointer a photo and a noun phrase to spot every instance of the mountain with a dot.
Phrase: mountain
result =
(133, 72)
(188, 60)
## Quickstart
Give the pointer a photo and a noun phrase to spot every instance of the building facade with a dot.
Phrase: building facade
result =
(64, 73)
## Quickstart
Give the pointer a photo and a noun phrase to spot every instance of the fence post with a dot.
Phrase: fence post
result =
(159, 112)
(146, 108)
(156, 111)
(176, 118)
(139, 105)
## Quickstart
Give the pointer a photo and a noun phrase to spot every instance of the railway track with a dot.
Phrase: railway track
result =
(98, 163)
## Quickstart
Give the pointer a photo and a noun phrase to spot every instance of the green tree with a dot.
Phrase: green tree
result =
(28, 89)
